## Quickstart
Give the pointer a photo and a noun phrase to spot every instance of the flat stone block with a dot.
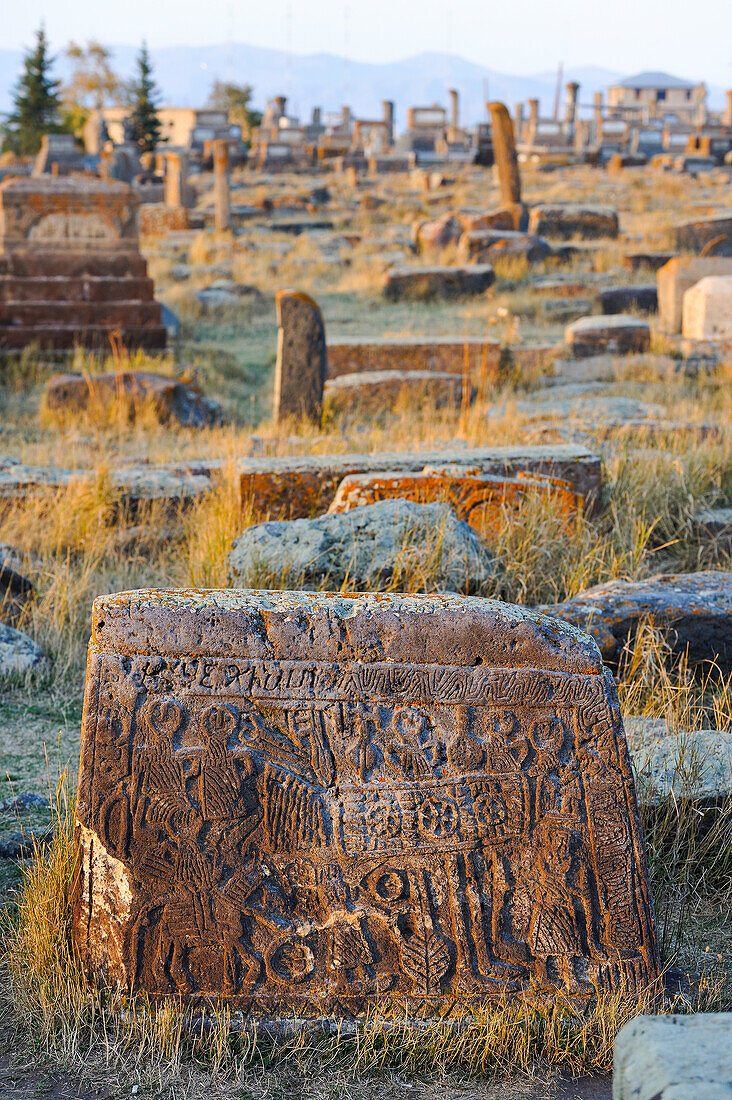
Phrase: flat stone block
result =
(424, 283)
(312, 803)
(674, 1058)
(449, 354)
(488, 245)
(617, 333)
(707, 309)
(296, 487)
(44, 213)
(567, 220)
(481, 500)
(676, 277)
(618, 299)
(692, 236)
(375, 392)
(694, 608)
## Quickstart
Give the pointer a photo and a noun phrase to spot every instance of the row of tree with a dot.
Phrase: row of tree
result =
(42, 105)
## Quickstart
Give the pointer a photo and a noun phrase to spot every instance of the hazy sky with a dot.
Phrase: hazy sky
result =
(690, 39)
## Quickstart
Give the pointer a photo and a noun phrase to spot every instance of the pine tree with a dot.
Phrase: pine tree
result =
(143, 123)
(36, 103)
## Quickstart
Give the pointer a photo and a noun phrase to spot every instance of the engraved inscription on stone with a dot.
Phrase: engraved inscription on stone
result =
(278, 807)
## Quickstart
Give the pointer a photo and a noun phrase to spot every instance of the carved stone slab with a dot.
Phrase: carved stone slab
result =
(305, 802)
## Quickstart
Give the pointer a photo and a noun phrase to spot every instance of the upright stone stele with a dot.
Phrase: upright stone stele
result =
(301, 357)
(314, 803)
(176, 172)
(504, 151)
(222, 198)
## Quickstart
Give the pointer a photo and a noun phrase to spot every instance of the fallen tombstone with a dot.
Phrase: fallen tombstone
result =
(567, 220)
(473, 356)
(707, 309)
(488, 245)
(619, 299)
(310, 802)
(24, 844)
(132, 484)
(301, 357)
(674, 1057)
(618, 333)
(479, 499)
(676, 277)
(306, 485)
(565, 310)
(695, 609)
(24, 803)
(18, 652)
(695, 765)
(426, 283)
(374, 392)
(13, 577)
(692, 236)
(129, 395)
(366, 548)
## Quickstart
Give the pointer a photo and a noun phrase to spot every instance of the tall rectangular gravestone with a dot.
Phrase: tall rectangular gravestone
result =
(311, 803)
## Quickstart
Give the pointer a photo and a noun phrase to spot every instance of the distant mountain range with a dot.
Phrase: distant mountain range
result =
(185, 74)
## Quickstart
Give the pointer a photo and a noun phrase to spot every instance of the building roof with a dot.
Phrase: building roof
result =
(654, 80)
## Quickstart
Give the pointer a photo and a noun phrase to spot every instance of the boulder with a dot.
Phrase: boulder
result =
(618, 333)
(714, 523)
(427, 283)
(374, 392)
(18, 652)
(567, 220)
(130, 393)
(695, 609)
(687, 1057)
(365, 546)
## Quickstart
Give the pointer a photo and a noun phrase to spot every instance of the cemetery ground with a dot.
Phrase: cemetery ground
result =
(59, 1039)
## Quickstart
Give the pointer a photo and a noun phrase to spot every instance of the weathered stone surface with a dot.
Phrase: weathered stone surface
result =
(707, 309)
(132, 394)
(379, 391)
(479, 499)
(719, 246)
(310, 803)
(618, 333)
(177, 484)
(305, 486)
(674, 1058)
(694, 235)
(64, 243)
(618, 299)
(301, 357)
(440, 233)
(567, 220)
(488, 245)
(675, 278)
(18, 652)
(695, 608)
(366, 547)
(695, 765)
(504, 151)
(635, 261)
(425, 283)
(450, 354)
(159, 218)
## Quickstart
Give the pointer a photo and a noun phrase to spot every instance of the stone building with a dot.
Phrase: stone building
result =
(656, 95)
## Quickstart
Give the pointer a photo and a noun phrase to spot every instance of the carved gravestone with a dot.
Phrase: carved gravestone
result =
(301, 357)
(310, 803)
